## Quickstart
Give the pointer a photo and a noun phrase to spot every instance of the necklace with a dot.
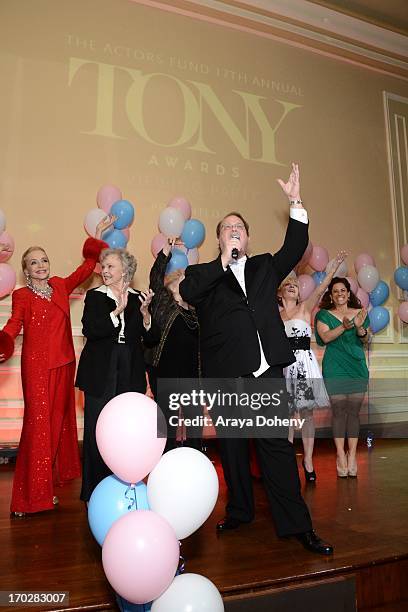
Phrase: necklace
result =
(189, 316)
(42, 292)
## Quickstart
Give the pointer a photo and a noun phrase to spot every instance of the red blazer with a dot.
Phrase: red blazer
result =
(61, 348)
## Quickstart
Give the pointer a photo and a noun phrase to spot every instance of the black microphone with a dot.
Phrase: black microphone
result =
(234, 253)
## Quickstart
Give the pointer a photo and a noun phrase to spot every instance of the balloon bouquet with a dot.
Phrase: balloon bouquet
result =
(110, 202)
(7, 274)
(139, 526)
(401, 279)
(175, 222)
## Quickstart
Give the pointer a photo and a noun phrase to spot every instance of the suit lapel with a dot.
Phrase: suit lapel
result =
(233, 283)
(254, 276)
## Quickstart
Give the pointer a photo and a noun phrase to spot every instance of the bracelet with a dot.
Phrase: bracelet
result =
(291, 202)
(362, 335)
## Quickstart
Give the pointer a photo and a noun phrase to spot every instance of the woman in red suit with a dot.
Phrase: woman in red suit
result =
(48, 450)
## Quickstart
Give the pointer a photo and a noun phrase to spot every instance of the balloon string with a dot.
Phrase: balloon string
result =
(182, 562)
(133, 502)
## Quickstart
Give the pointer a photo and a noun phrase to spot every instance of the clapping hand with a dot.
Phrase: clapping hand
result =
(360, 317)
(2, 358)
(292, 187)
(122, 300)
(104, 224)
(145, 298)
(347, 323)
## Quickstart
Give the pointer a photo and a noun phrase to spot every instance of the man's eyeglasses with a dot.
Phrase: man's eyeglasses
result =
(237, 226)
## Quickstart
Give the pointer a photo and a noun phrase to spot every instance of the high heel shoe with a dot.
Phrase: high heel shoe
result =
(18, 514)
(342, 472)
(351, 468)
(309, 476)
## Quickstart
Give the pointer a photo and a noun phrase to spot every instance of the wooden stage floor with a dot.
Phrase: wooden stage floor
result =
(366, 519)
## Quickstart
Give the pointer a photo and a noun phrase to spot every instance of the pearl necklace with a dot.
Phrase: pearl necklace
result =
(42, 292)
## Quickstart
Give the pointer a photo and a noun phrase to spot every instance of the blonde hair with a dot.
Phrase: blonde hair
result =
(291, 278)
(172, 276)
(26, 254)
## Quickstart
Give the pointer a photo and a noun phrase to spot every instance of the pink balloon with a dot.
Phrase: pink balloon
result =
(126, 434)
(364, 259)
(404, 254)
(7, 279)
(5, 238)
(319, 258)
(193, 256)
(363, 297)
(368, 278)
(182, 205)
(403, 312)
(353, 284)
(157, 244)
(306, 286)
(108, 195)
(140, 556)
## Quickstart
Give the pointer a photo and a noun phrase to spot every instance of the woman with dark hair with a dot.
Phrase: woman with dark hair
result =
(177, 354)
(116, 318)
(342, 327)
(48, 450)
(304, 380)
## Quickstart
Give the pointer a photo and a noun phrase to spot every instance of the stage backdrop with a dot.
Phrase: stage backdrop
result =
(98, 92)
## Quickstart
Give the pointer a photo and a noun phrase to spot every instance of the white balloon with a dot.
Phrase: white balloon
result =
(341, 270)
(189, 593)
(183, 489)
(368, 278)
(92, 219)
(193, 256)
(2, 221)
(171, 222)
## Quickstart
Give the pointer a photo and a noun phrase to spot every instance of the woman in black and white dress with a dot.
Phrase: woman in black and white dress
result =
(304, 379)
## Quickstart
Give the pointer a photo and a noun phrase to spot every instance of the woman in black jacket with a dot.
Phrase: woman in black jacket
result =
(115, 321)
(177, 355)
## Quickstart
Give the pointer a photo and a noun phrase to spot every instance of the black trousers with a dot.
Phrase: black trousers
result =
(94, 468)
(280, 477)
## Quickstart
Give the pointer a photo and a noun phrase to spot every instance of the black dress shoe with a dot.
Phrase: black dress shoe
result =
(228, 523)
(312, 542)
(309, 476)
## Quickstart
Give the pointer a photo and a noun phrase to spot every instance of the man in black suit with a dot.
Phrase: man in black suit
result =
(242, 335)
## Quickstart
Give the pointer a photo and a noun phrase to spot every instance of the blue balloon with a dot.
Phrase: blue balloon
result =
(178, 261)
(401, 277)
(193, 233)
(116, 240)
(108, 503)
(318, 277)
(379, 318)
(379, 294)
(124, 212)
(107, 233)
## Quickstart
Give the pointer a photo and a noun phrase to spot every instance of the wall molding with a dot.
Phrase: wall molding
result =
(303, 24)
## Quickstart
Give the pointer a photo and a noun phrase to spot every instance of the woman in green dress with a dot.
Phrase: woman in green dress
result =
(342, 327)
